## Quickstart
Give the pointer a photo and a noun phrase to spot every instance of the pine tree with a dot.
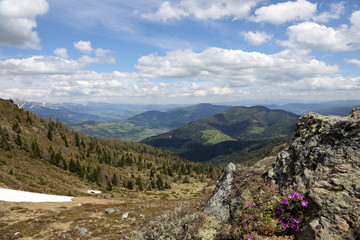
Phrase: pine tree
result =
(35, 150)
(159, 182)
(114, 180)
(77, 140)
(108, 187)
(18, 140)
(50, 135)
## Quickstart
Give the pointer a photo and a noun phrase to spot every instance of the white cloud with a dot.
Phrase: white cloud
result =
(38, 65)
(315, 36)
(284, 12)
(166, 12)
(202, 10)
(61, 52)
(336, 9)
(236, 67)
(84, 46)
(256, 38)
(354, 61)
(17, 21)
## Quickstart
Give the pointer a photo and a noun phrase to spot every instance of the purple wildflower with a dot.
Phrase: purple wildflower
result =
(298, 220)
(248, 206)
(297, 196)
(292, 195)
(280, 221)
(285, 226)
(285, 201)
(248, 217)
(292, 225)
(249, 237)
(304, 203)
(297, 229)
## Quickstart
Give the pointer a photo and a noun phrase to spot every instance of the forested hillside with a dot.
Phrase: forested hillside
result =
(237, 134)
(45, 156)
(149, 123)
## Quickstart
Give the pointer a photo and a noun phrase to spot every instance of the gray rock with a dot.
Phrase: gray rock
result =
(111, 210)
(82, 231)
(216, 205)
(324, 162)
(125, 215)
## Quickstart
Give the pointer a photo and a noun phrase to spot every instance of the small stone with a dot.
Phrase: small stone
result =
(125, 215)
(81, 230)
(111, 210)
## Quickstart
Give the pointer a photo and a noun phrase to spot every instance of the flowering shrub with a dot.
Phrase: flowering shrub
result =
(229, 197)
(289, 212)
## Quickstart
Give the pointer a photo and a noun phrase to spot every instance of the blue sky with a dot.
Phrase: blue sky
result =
(181, 51)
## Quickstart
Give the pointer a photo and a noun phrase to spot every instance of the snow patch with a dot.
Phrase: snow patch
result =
(94, 191)
(9, 195)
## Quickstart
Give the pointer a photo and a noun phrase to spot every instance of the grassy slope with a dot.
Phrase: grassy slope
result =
(252, 132)
(98, 159)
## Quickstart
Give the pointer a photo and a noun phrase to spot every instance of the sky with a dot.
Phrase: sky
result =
(179, 51)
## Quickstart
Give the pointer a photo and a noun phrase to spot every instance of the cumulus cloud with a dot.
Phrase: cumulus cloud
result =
(317, 36)
(166, 12)
(84, 46)
(284, 12)
(202, 9)
(61, 52)
(256, 38)
(236, 67)
(17, 22)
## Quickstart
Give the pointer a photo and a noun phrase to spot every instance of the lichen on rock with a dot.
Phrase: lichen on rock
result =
(324, 161)
(216, 205)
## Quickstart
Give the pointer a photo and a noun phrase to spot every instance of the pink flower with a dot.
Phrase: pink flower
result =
(298, 220)
(297, 229)
(297, 196)
(285, 226)
(248, 217)
(285, 201)
(248, 206)
(249, 237)
(291, 195)
(304, 203)
(292, 225)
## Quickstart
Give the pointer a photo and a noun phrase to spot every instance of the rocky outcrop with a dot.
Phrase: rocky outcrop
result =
(323, 161)
(216, 205)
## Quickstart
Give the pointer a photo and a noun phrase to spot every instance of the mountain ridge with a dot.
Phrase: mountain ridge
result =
(234, 124)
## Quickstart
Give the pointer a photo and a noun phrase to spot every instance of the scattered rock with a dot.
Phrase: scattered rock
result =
(111, 210)
(125, 215)
(216, 205)
(81, 230)
(324, 162)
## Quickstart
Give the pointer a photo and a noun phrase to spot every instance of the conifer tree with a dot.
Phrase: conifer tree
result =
(18, 140)
(159, 182)
(50, 135)
(114, 180)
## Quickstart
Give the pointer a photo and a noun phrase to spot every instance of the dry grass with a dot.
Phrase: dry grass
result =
(63, 220)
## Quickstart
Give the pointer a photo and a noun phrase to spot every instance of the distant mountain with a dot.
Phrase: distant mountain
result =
(234, 130)
(72, 113)
(149, 123)
(340, 108)
(176, 117)
(57, 111)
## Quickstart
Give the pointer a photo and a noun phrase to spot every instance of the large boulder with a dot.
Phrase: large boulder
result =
(323, 161)
(216, 205)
